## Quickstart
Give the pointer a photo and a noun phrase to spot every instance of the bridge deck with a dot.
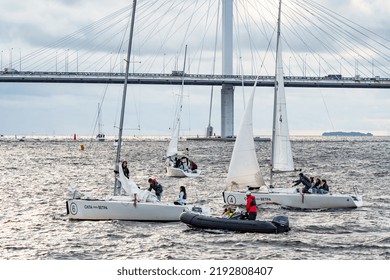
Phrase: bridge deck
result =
(190, 79)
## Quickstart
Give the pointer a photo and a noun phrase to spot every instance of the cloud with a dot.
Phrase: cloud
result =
(161, 34)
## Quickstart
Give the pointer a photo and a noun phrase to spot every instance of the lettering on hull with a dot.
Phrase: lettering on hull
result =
(100, 207)
(265, 199)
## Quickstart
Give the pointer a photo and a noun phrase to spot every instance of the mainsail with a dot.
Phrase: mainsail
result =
(173, 144)
(282, 159)
(244, 168)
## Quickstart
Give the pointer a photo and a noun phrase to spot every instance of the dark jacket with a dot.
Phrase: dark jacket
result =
(324, 187)
(126, 172)
(304, 180)
(156, 187)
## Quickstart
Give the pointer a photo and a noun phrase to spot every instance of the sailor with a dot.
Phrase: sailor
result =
(182, 197)
(227, 212)
(251, 208)
(156, 186)
(304, 180)
(125, 169)
(324, 187)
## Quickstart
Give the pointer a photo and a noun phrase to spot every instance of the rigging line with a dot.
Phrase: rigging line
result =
(327, 111)
(150, 22)
(245, 21)
(237, 32)
(214, 59)
(81, 31)
(97, 114)
(181, 25)
(246, 24)
(79, 58)
(207, 28)
(263, 28)
(171, 31)
(316, 36)
(154, 24)
(188, 25)
(262, 59)
(340, 30)
(53, 53)
(204, 36)
(354, 23)
(295, 31)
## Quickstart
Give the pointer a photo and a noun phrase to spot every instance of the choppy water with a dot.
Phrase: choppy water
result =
(35, 175)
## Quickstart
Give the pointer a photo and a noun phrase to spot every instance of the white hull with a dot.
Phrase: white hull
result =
(290, 199)
(122, 208)
(177, 172)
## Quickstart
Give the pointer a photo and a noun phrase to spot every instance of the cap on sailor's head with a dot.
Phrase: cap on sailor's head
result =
(248, 193)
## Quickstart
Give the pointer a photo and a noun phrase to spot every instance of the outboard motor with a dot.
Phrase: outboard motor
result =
(197, 209)
(282, 223)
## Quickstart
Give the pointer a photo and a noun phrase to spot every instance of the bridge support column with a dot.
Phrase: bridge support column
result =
(227, 111)
(227, 92)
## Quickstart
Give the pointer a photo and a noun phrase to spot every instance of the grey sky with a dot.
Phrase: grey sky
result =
(60, 109)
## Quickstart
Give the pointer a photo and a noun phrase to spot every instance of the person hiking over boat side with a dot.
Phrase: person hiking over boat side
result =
(324, 187)
(125, 169)
(305, 181)
(182, 196)
(251, 208)
(156, 186)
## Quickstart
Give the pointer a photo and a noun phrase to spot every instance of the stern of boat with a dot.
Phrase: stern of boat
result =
(282, 223)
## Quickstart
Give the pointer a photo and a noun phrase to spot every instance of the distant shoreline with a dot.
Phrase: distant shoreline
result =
(342, 133)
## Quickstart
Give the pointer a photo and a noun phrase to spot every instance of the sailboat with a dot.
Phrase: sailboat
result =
(244, 172)
(179, 164)
(128, 202)
(100, 136)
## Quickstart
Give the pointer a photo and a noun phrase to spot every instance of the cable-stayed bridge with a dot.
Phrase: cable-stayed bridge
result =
(331, 81)
(229, 46)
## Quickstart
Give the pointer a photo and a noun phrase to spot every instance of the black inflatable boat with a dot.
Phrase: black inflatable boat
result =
(279, 224)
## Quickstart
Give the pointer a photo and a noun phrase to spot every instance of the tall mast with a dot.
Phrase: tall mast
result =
(99, 119)
(276, 88)
(118, 151)
(182, 89)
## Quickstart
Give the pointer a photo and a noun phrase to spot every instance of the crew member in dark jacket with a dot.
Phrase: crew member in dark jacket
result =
(324, 187)
(251, 208)
(305, 181)
(156, 186)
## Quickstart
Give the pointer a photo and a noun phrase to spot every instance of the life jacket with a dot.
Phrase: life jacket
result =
(251, 204)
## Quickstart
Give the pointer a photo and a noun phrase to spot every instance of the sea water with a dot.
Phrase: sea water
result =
(36, 173)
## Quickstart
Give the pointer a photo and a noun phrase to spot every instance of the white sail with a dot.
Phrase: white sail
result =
(244, 168)
(173, 144)
(131, 188)
(282, 159)
(100, 136)
(172, 147)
